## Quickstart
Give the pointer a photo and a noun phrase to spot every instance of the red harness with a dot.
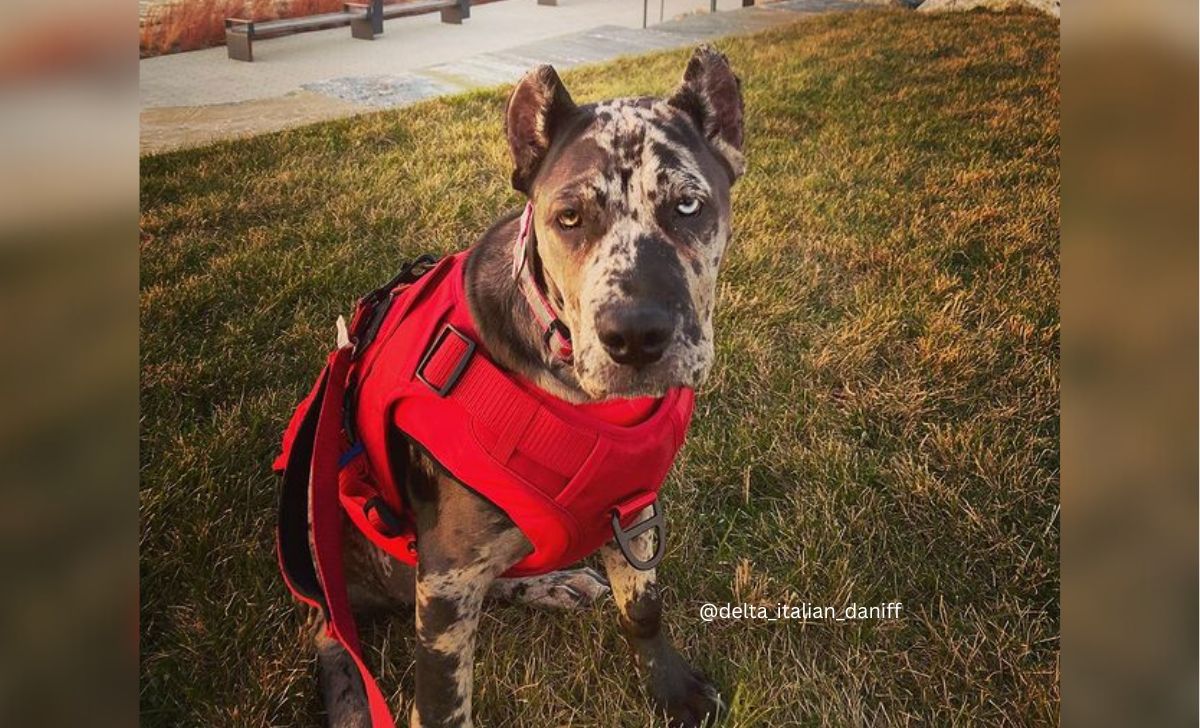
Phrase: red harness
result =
(571, 477)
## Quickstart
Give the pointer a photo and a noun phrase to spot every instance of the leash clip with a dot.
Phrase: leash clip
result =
(625, 537)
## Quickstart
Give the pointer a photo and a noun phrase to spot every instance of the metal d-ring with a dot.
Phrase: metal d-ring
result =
(625, 537)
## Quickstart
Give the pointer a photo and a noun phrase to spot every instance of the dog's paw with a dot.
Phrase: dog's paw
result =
(571, 589)
(575, 589)
(686, 695)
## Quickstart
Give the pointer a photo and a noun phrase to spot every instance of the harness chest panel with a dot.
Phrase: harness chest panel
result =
(558, 471)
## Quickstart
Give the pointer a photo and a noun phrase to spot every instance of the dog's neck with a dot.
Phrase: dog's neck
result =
(506, 325)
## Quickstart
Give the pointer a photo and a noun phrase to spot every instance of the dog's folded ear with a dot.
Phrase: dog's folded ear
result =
(711, 94)
(537, 108)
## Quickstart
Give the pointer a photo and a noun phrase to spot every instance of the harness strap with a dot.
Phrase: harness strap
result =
(291, 534)
(321, 436)
(522, 423)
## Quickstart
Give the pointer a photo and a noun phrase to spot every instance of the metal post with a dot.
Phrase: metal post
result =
(645, 6)
(712, 6)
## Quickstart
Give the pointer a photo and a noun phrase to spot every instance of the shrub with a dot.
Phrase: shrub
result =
(192, 24)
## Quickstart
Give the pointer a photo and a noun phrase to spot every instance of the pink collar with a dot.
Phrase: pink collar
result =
(555, 334)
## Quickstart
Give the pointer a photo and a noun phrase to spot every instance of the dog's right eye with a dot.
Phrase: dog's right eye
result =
(568, 218)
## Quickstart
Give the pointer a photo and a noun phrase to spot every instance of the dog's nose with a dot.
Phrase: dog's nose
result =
(636, 335)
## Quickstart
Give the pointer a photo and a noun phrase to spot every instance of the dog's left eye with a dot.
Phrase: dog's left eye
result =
(688, 206)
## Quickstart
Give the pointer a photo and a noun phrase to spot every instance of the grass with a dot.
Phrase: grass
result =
(881, 424)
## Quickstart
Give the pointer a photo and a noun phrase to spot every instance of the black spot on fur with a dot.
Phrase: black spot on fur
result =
(643, 616)
(681, 132)
(437, 615)
(667, 158)
(629, 147)
(601, 197)
(657, 274)
(435, 695)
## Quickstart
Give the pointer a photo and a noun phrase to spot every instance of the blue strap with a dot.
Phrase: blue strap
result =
(350, 454)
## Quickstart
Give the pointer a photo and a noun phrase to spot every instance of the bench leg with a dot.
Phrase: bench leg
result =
(453, 15)
(239, 46)
(366, 27)
(362, 28)
(551, 3)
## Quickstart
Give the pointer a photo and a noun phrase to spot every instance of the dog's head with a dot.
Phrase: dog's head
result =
(631, 219)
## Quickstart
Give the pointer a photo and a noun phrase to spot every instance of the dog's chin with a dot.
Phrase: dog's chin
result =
(615, 381)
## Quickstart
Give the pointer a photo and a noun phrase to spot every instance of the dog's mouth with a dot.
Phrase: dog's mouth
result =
(607, 379)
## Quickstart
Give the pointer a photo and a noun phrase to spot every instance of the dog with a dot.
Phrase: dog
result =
(630, 211)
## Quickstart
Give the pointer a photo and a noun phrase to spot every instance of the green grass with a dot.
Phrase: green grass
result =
(881, 423)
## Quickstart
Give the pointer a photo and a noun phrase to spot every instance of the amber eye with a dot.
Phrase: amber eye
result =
(568, 218)
(687, 206)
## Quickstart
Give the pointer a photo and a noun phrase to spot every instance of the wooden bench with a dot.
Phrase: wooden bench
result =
(365, 21)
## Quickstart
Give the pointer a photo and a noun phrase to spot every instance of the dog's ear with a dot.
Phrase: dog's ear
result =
(537, 108)
(712, 96)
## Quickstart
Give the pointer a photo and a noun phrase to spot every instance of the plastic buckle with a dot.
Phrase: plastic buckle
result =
(373, 308)
(386, 515)
(625, 537)
(374, 319)
(556, 327)
(459, 368)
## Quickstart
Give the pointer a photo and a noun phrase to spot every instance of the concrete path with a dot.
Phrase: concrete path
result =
(190, 99)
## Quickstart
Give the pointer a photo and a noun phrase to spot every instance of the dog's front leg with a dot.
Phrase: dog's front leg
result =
(679, 690)
(464, 544)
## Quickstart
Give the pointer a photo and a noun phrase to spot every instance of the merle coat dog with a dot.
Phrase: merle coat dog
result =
(631, 203)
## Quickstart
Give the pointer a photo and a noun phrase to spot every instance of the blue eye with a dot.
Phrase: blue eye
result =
(688, 206)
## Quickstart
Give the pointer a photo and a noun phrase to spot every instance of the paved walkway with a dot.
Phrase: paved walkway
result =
(189, 99)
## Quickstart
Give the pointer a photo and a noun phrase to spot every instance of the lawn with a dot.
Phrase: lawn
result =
(881, 423)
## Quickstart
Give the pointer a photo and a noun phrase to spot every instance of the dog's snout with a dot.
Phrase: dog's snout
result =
(636, 334)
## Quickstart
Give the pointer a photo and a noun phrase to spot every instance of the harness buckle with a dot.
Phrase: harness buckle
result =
(376, 310)
(459, 368)
(373, 307)
(386, 516)
(624, 537)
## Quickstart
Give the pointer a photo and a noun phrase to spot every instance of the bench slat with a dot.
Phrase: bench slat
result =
(239, 33)
(416, 7)
(265, 28)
